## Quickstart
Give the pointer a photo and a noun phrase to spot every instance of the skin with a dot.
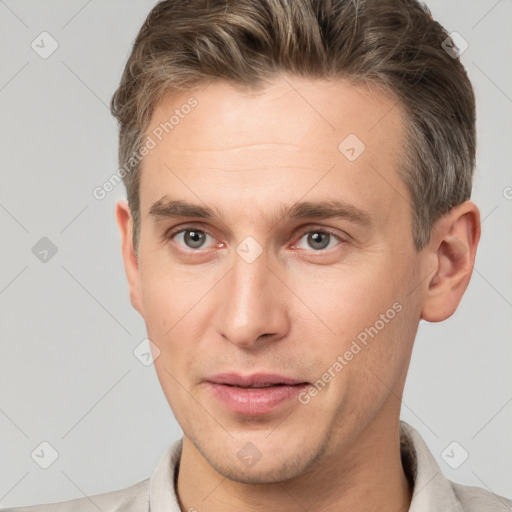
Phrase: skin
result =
(246, 154)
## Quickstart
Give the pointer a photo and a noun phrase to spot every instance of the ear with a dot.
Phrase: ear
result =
(131, 265)
(452, 249)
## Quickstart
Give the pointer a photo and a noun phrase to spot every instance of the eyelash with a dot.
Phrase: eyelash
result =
(172, 233)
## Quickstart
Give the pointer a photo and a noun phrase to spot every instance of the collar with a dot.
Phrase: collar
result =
(431, 490)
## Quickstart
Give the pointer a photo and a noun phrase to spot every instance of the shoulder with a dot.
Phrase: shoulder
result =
(432, 490)
(131, 499)
(476, 499)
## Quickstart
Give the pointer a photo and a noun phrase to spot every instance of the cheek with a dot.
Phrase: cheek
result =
(168, 293)
(343, 299)
(360, 314)
(168, 314)
(177, 306)
(160, 310)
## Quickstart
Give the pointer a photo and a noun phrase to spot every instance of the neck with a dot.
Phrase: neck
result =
(367, 475)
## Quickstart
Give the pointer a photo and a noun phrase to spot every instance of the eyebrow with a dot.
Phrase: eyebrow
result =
(164, 208)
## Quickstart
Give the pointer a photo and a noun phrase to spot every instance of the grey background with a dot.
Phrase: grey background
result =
(68, 374)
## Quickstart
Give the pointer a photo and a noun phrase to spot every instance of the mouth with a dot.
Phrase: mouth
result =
(256, 380)
(255, 394)
(255, 386)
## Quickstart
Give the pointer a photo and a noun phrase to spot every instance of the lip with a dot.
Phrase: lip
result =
(250, 400)
(256, 379)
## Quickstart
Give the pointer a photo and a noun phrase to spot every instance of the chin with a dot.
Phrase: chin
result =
(274, 472)
(275, 463)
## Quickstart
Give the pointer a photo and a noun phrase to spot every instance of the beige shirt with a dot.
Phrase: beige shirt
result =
(432, 491)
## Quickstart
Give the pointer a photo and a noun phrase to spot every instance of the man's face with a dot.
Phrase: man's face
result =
(257, 290)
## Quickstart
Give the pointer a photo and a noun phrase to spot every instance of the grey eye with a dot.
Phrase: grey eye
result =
(318, 239)
(190, 237)
(194, 238)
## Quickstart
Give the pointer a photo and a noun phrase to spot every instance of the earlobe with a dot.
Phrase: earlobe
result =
(453, 247)
(131, 264)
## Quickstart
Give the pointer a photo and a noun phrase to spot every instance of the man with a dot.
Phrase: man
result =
(298, 178)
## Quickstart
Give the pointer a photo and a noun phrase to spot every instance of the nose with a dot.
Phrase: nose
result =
(253, 304)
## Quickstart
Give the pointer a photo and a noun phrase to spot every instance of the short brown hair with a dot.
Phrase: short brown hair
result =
(393, 44)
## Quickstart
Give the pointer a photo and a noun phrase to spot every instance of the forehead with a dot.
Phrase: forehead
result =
(220, 142)
(312, 111)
